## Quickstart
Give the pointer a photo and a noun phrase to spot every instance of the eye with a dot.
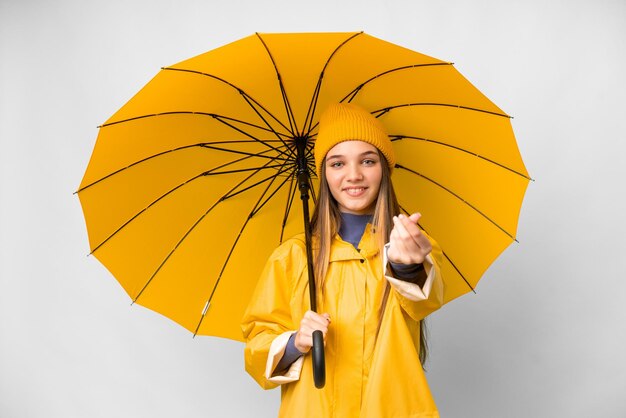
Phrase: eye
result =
(336, 164)
(369, 161)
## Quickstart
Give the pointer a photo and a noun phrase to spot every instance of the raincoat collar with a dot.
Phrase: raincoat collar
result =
(342, 250)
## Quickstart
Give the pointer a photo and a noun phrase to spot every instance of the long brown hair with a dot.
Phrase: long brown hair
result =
(326, 221)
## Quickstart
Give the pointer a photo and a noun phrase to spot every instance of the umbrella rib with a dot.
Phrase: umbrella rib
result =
(272, 177)
(181, 112)
(186, 234)
(310, 160)
(281, 169)
(445, 255)
(458, 197)
(251, 154)
(242, 170)
(279, 136)
(318, 87)
(400, 137)
(220, 118)
(200, 145)
(245, 95)
(134, 164)
(458, 271)
(232, 248)
(288, 109)
(281, 150)
(350, 96)
(268, 129)
(256, 210)
(312, 171)
(154, 202)
(378, 113)
(312, 106)
(135, 216)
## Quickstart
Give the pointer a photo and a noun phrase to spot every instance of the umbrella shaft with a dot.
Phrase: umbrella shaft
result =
(309, 252)
(303, 185)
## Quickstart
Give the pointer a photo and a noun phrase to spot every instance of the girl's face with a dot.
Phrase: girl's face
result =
(353, 172)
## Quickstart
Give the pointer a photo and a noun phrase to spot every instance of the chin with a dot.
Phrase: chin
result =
(358, 210)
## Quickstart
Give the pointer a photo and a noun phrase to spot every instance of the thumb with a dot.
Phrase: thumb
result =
(415, 217)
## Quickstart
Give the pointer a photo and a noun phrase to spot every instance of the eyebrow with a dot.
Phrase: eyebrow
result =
(364, 154)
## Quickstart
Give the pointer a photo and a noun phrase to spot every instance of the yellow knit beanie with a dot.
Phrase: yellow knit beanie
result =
(348, 122)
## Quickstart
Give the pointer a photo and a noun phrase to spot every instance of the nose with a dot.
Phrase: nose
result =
(354, 172)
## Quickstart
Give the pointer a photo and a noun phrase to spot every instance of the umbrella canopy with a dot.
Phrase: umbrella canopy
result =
(193, 182)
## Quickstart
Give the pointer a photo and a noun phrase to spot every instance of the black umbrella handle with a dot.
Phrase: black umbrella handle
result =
(319, 362)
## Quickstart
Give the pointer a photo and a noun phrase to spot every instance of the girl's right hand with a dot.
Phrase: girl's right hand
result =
(312, 321)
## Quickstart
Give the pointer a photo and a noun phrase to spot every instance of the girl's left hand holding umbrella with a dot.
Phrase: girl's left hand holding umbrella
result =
(312, 321)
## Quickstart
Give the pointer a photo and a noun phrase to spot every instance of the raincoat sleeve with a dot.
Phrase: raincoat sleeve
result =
(418, 301)
(268, 323)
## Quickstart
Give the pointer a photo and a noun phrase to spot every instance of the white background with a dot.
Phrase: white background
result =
(544, 336)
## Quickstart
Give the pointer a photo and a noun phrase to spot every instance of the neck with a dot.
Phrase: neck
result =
(353, 226)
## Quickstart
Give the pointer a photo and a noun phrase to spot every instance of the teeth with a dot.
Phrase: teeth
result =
(355, 191)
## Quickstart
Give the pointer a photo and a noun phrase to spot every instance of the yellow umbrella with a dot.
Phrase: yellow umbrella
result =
(193, 182)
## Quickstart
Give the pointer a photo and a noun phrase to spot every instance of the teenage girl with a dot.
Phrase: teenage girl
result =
(377, 276)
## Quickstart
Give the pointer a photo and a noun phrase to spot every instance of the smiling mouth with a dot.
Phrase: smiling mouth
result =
(355, 191)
